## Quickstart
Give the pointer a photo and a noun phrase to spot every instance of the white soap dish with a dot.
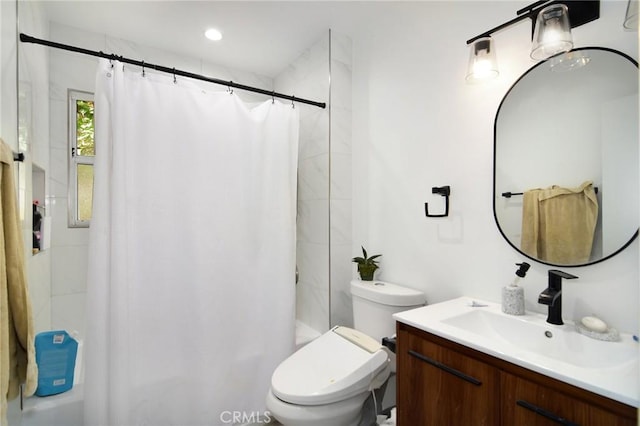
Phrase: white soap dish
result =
(610, 335)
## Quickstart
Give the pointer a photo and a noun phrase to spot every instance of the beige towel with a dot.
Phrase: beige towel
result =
(558, 224)
(17, 350)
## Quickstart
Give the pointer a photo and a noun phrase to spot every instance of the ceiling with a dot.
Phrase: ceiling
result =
(259, 36)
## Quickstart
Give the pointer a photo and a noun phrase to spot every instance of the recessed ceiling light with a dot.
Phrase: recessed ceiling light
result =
(213, 34)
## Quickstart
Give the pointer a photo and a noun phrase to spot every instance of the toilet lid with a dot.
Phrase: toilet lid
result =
(337, 365)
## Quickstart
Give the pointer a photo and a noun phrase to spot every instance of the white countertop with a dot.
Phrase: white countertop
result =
(619, 381)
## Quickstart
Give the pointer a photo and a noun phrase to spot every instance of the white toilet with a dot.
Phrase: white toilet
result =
(326, 382)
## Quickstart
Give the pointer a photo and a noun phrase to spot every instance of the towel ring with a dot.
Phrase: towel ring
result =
(445, 191)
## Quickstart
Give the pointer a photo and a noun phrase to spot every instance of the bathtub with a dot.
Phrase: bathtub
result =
(66, 409)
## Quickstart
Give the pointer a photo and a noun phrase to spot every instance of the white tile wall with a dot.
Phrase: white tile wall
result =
(68, 313)
(324, 181)
(308, 77)
(27, 111)
(34, 130)
(341, 181)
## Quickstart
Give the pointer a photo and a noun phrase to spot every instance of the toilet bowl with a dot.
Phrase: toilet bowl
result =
(341, 413)
(326, 382)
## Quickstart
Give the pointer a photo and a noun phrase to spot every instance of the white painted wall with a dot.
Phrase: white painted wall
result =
(417, 124)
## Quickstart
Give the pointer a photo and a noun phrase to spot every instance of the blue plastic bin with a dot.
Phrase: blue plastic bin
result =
(56, 358)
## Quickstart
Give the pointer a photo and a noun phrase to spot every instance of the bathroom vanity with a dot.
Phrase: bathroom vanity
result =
(445, 377)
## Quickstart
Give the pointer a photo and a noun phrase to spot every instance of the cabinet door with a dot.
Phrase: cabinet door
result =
(530, 404)
(438, 386)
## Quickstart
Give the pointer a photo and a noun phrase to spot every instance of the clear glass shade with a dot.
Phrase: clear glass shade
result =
(552, 34)
(482, 60)
(631, 17)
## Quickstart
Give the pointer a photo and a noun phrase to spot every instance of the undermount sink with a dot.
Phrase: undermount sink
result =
(531, 333)
(558, 351)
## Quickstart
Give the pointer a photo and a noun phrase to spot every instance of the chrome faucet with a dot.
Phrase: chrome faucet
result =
(552, 296)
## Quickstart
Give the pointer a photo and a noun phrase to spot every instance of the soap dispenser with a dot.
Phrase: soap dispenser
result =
(512, 295)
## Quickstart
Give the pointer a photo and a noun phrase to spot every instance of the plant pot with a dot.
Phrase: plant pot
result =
(366, 272)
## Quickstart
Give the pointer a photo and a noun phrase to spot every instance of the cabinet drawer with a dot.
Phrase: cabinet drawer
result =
(438, 386)
(528, 403)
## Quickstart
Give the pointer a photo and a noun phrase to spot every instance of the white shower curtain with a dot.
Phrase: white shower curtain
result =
(190, 301)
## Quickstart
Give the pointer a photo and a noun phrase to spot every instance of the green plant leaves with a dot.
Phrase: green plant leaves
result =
(365, 259)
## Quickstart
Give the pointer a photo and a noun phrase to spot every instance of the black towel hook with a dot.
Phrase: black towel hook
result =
(445, 191)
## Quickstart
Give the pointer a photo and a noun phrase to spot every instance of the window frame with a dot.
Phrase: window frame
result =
(75, 160)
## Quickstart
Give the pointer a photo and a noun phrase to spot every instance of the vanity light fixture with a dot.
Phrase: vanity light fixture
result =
(552, 21)
(482, 60)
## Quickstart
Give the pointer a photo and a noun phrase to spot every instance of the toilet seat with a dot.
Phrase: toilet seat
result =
(337, 365)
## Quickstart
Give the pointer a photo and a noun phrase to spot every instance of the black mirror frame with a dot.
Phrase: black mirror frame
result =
(495, 125)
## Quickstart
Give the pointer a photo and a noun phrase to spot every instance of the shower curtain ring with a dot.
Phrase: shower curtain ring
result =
(273, 98)
(174, 75)
(143, 68)
(293, 106)
(229, 89)
(103, 55)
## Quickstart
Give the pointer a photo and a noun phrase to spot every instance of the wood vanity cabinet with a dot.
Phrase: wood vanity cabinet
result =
(440, 382)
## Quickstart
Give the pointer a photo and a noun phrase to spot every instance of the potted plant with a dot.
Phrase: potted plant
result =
(366, 265)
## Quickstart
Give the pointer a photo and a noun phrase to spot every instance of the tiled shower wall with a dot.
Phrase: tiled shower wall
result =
(308, 76)
(33, 130)
(323, 72)
(342, 269)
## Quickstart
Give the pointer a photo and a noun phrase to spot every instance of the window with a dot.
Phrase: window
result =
(81, 155)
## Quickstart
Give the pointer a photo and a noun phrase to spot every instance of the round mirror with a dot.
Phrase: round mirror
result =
(566, 178)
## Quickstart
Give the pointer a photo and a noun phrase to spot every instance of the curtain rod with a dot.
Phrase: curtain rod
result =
(29, 39)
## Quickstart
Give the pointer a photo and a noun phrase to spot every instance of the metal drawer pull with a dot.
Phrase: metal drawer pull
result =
(545, 413)
(446, 368)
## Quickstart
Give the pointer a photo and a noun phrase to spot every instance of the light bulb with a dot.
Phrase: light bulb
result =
(482, 60)
(213, 34)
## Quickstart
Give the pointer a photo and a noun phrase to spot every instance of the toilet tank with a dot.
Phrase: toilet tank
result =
(374, 303)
